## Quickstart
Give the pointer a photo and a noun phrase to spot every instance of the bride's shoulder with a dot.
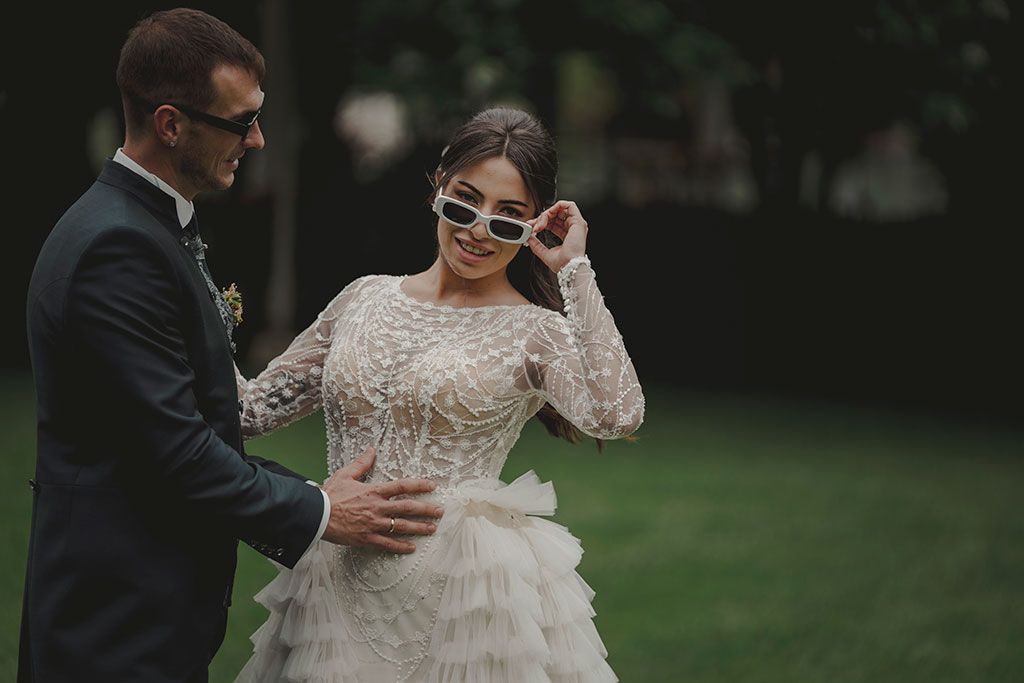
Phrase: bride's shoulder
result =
(363, 287)
(541, 321)
(370, 282)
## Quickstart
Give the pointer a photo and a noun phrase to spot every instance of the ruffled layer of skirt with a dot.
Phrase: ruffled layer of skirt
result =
(513, 608)
(304, 640)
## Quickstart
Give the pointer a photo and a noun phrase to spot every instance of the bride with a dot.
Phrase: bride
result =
(439, 372)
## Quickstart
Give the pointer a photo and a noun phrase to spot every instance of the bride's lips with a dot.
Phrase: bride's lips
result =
(470, 256)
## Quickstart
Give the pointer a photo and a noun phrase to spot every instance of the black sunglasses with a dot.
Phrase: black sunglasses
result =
(239, 128)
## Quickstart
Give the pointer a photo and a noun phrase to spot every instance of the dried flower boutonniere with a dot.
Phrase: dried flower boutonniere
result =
(234, 299)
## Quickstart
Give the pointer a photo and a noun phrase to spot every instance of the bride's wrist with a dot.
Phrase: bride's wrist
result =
(568, 268)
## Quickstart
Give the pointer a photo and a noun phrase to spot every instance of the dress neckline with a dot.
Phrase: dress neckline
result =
(445, 308)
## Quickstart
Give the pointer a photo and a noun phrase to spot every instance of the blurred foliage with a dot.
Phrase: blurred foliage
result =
(951, 55)
(800, 80)
(454, 57)
(809, 76)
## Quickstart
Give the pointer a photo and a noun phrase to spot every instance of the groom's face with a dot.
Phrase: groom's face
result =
(210, 156)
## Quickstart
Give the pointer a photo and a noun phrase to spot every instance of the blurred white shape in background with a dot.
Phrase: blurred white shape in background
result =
(375, 127)
(890, 180)
(103, 136)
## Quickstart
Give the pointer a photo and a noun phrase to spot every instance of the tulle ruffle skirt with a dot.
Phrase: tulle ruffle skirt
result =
(512, 608)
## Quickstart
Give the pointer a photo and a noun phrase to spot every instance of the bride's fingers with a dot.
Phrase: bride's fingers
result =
(544, 220)
(570, 216)
(564, 209)
(552, 257)
(559, 227)
(564, 220)
(538, 249)
(559, 218)
(556, 225)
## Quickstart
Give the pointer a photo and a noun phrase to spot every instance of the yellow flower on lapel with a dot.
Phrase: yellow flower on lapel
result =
(234, 299)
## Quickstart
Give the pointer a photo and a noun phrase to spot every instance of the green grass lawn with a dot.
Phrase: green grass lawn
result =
(738, 539)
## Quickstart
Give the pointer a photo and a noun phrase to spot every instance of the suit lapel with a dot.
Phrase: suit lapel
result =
(162, 207)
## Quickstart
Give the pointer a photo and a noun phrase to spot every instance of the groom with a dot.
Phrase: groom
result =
(141, 484)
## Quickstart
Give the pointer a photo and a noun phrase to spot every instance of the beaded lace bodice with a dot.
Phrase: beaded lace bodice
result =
(440, 393)
(443, 392)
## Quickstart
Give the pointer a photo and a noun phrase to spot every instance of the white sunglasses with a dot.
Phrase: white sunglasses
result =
(501, 228)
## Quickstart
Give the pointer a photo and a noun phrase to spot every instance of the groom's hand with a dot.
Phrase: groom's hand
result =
(365, 514)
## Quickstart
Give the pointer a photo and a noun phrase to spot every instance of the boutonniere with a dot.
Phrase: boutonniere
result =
(234, 299)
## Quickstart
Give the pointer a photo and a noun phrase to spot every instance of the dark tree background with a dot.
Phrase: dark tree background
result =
(799, 198)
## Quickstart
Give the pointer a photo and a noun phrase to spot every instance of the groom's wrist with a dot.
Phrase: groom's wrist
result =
(323, 520)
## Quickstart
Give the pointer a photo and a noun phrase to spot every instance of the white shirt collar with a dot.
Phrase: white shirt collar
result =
(184, 207)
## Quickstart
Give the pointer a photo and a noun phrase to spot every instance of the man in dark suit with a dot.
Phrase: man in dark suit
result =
(141, 485)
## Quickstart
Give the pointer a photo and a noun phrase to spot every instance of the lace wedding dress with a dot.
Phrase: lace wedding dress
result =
(443, 393)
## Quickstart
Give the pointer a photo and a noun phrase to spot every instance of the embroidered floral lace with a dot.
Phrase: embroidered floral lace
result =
(441, 393)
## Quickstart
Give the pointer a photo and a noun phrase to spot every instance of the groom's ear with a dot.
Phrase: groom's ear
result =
(166, 120)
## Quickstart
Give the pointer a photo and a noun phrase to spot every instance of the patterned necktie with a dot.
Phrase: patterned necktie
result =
(194, 243)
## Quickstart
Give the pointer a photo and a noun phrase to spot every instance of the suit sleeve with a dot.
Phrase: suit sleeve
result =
(125, 309)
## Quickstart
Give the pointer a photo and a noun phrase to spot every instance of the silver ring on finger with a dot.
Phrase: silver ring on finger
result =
(392, 529)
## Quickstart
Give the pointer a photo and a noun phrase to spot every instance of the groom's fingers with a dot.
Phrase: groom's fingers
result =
(391, 489)
(409, 527)
(359, 466)
(357, 508)
(411, 508)
(392, 545)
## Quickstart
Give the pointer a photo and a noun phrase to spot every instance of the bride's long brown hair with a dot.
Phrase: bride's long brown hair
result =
(525, 142)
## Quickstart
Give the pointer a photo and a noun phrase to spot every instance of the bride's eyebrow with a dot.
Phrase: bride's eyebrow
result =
(500, 201)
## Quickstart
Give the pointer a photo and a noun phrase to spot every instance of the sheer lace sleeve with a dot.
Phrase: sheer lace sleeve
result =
(290, 387)
(581, 366)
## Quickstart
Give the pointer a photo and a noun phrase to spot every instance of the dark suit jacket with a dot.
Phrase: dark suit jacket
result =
(141, 485)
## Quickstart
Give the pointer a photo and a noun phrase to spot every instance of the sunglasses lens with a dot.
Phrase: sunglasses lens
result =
(459, 215)
(507, 231)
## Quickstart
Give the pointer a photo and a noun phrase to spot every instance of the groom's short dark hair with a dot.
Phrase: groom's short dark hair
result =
(169, 57)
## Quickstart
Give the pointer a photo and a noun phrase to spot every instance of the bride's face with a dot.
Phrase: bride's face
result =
(494, 188)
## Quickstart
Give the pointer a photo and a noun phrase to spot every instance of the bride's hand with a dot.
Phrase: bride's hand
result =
(564, 220)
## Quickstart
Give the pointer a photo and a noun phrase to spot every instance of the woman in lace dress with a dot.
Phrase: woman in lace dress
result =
(439, 372)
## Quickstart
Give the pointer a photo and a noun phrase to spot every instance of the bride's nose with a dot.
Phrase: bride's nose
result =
(478, 231)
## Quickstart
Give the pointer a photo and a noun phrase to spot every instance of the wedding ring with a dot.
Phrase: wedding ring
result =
(392, 529)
